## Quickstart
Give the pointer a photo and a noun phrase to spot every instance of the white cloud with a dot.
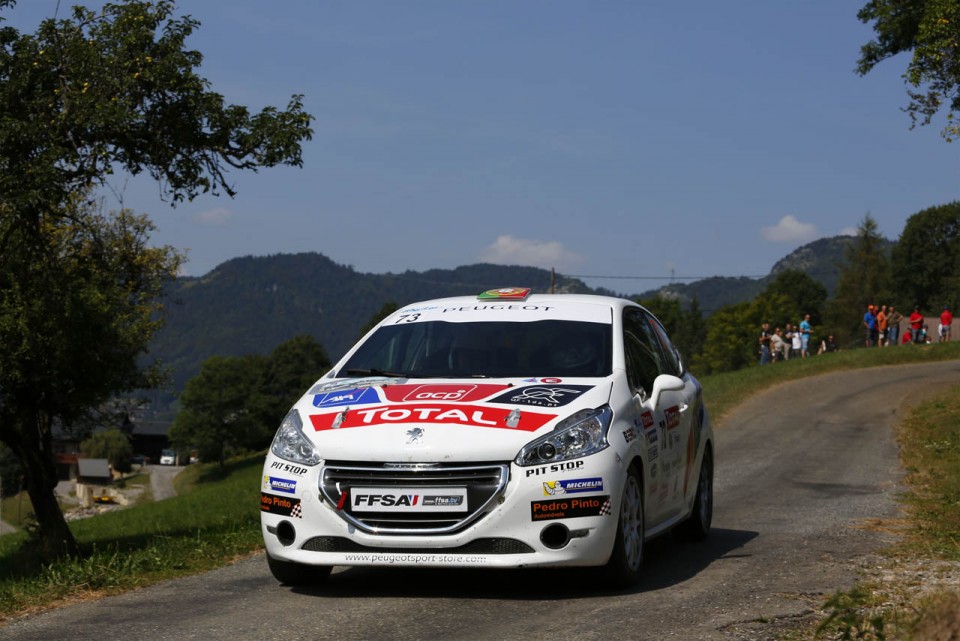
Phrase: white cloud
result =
(507, 250)
(790, 230)
(848, 231)
(214, 217)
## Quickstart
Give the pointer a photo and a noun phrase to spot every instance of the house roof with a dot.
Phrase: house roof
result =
(95, 467)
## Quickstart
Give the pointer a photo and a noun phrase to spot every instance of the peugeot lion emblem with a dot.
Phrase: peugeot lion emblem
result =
(415, 436)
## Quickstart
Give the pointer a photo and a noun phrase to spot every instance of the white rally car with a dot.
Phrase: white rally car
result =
(504, 430)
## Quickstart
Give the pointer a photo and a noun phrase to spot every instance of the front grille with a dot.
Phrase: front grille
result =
(480, 546)
(481, 484)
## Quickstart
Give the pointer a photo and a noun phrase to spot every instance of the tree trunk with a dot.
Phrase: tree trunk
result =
(31, 441)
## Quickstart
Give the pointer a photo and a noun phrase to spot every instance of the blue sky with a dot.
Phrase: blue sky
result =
(620, 138)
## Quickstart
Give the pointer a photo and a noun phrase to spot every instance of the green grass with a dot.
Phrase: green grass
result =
(215, 517)
(214, 523)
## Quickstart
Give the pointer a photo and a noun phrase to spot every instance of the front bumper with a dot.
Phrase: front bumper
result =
(563, 514)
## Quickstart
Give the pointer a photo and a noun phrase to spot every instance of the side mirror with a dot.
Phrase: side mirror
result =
(665, 383)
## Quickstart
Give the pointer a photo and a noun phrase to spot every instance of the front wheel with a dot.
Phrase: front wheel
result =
(297, 573)
(623, 568)
(697, 525)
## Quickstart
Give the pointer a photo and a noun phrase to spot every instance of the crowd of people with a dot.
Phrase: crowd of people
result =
(882, 328)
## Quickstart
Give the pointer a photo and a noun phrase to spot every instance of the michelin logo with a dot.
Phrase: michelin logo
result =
(572, 486)
(279, 485)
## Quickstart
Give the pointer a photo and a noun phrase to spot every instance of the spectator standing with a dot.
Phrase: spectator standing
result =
(765, 344)
(946, 320)
(796, 342)
(776, 345)
(916, 324)
(870, 326)
(881, 325)
(893, 326)
(787, 340)
(806, 329)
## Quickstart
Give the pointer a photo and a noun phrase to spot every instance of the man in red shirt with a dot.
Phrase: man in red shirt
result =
(916, 324)
(946, 319)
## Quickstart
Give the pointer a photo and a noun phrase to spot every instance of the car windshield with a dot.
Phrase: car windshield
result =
(439, 349)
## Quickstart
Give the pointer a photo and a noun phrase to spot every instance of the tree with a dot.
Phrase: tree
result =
(930, 29)
(802, 294)
(731, 339)
(112, 445)
(235, 404)
(865, 279)
(74, 320)
(686, 328)
(215, 415)
(99, 92)
(291, 368)
(926, 259)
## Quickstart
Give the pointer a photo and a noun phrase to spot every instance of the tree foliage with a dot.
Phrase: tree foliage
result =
(118, 89)
(686, 327)
(81, 98)
(800, 294)
(111, 444)
(926, 260)
(865, 279)
(75, 317)
(930, 30)
(236, 403)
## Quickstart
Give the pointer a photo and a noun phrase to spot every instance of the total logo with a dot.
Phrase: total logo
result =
(469, 415)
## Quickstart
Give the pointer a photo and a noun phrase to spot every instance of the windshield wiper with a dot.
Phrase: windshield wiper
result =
(375, 372)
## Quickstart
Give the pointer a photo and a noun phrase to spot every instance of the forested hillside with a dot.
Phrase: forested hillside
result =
(250, 305)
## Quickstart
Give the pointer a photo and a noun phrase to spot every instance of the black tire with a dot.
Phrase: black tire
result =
(626, 558)
(297, 573)
(696, 527)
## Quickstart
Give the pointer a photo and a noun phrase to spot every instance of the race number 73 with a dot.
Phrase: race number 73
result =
(407, 318)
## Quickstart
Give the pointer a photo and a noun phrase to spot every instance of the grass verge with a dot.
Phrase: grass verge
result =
(915, 596)
(216, 522)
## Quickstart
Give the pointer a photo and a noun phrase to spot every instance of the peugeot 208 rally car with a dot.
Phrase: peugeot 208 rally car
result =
(503, 430)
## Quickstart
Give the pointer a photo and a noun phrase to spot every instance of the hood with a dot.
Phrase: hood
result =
(439, 420)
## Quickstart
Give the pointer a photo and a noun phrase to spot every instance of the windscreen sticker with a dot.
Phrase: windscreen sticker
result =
(282, 505)
(542, 395)
(471, 415)
(339, 398)
(504, 310)
(450, 393)
(569, 508)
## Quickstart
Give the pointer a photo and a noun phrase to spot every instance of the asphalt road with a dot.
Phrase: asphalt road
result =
(807, 476)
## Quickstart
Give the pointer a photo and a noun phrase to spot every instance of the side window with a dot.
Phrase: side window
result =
(642, 351)
(671, 354)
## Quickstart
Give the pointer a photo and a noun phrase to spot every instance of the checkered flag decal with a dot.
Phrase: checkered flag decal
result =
(605, 508)
(295, 512)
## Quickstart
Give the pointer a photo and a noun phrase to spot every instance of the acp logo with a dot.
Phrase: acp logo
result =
(430, 393)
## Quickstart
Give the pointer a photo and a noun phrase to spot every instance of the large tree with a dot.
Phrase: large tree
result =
(236, 403)
(865, 279)
(83, 97)
(930, 31)
(75, 317)
(926, 260)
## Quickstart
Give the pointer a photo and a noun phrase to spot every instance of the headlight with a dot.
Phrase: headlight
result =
(291, 444)
(579, 435)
